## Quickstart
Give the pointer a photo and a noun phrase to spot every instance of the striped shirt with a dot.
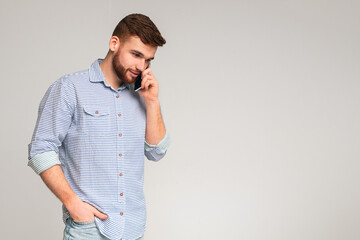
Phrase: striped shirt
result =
(97, 135)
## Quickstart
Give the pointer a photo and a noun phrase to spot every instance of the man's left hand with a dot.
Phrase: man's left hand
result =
(149, 86)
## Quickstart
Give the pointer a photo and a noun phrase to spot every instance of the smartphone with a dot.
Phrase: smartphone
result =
(138, 81)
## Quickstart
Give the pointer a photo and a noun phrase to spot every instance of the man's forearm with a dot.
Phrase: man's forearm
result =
(55, 180)
(155, 127)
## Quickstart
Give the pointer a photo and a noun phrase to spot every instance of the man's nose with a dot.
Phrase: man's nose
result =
(141, 65)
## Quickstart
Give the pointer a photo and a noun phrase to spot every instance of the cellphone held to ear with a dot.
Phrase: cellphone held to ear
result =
(138, 81)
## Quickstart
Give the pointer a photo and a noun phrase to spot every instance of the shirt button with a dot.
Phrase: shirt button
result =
(96, 112)
(121, 213)
(120, 134)
(121, 174)
(121, 194)
(120, 154)
(119, 114)
(117, 96)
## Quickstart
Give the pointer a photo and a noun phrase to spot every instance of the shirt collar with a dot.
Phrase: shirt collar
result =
(96, 75)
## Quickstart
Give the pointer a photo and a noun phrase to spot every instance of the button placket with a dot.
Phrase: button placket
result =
(120, 150)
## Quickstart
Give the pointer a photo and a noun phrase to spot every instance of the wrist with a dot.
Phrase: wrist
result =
(70, 201)
(152, 103)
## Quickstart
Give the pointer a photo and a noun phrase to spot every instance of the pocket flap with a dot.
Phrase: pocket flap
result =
(96, 110)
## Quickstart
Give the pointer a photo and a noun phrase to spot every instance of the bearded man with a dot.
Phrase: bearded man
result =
(93, 131)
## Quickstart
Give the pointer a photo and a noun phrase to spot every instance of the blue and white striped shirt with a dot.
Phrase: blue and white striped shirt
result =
(97, 135)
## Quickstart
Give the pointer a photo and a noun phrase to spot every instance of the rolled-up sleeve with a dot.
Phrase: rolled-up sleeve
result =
(54, 119)
(157, 152)
(43, 161)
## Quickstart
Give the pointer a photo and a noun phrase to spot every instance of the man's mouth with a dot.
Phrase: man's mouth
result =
(134, 74)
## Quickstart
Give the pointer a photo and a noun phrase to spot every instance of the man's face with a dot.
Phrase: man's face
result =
(131, 58)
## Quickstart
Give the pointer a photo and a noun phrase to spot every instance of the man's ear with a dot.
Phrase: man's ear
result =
(114, 43)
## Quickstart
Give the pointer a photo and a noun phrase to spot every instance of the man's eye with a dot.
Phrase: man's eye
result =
(136, 55)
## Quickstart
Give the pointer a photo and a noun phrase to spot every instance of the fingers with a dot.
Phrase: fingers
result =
(96, 212)
(147, 72)
(99, 214)
(149, 86)
(85, 212)
(148, 80)
(147, 83)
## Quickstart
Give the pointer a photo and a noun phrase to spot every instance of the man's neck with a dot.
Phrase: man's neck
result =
(110, 76)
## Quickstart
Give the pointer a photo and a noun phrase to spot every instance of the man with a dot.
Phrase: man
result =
(92, 132)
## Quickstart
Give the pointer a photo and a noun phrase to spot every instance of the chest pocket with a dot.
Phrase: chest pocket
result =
(96, 119)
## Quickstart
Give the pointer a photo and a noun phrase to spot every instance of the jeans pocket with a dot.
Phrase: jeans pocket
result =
(81, 230)
(83, 224)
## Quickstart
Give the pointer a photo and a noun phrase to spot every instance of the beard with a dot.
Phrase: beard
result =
(120, 70)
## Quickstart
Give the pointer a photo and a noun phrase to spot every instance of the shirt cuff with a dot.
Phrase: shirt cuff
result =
(43, 161)
(161, 147)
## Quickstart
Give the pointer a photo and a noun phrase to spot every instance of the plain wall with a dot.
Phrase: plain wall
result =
(261, 99)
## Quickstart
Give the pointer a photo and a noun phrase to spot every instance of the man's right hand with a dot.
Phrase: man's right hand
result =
(80, 211)
(83, 212)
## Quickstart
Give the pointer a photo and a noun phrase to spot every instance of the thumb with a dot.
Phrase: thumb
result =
(100, 215)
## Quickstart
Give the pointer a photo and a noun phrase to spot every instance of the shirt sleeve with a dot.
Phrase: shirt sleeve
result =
(54, 119)
(157, 152)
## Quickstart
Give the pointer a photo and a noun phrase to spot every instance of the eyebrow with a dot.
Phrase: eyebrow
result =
(137, 52)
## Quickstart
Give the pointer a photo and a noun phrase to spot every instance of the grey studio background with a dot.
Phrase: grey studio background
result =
(261, 99)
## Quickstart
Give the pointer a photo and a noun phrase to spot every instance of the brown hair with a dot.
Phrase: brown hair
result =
(139, 25)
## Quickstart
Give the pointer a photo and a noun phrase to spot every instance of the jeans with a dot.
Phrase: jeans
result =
(83, 231)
